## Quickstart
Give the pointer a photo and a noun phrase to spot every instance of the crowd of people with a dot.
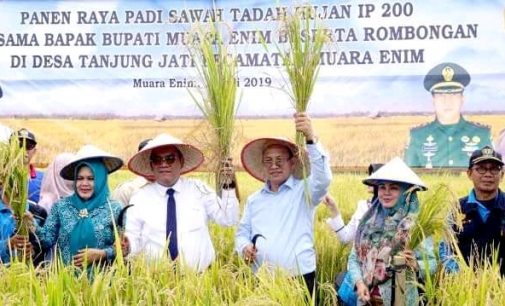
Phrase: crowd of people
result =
(74, 214)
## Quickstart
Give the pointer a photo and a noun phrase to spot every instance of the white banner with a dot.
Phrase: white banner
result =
(129, 58)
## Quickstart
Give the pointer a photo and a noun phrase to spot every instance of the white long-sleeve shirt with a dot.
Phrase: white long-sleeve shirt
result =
(346, 233)
(196, 203)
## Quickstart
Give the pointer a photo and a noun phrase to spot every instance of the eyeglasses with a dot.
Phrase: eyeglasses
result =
(158, 160)
(493, 170)
(278, 162)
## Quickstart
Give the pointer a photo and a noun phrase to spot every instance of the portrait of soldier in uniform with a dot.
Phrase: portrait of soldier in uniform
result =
(449, 140)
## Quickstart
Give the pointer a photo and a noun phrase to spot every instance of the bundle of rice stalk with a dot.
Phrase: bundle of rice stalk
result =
(437, 216)
(216, 98)
(301, 59)
(14, 180)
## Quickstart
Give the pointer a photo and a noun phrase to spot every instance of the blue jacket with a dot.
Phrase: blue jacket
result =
(482, 227)
(7, 227)
(34, 186)
(480, 233)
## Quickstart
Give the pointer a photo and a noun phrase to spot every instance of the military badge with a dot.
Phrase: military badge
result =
(429, 150)
(487, 152)
(448, 73)
(470, 144)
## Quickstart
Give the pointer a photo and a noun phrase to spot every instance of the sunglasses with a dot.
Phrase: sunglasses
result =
(28, 145)
(158, 160)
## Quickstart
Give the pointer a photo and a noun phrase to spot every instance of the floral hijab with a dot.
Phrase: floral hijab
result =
(383, 232)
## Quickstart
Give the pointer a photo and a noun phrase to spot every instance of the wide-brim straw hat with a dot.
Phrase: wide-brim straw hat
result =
(112, 163)
(395, 171)
(252, 157)
(140, 163)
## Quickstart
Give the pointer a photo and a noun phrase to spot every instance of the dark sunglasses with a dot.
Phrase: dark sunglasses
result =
(158, 160)
(28, 145)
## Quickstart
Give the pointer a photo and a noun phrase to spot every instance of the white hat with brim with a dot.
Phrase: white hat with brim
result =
(252, 157)
(395, 171)
(112, 163)
(140, 163)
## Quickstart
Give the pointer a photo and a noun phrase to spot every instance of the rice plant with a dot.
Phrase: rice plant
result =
(229, 281)
(216, 99)
(14, 180)
(438, 213)
(301, 59)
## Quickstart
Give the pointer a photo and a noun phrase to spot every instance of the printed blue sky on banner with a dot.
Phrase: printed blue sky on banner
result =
(348, 87)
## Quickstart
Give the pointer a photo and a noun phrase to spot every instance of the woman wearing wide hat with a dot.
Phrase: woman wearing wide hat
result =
(384, 232)
(82, 224)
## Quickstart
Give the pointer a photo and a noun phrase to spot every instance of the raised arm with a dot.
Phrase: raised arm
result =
(320, 172)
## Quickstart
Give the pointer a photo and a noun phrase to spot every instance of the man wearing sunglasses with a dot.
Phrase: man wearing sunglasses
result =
(170, 215)
(484, 211)
(28, 141)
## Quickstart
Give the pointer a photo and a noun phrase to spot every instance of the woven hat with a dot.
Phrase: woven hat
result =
(395, 171)
(252, 157)
(112, 163)
(140, 163)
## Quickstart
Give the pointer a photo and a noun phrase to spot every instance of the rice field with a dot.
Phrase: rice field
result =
(230, 281)
(350, 141)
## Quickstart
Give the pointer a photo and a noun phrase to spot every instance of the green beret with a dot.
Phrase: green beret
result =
(446, 78)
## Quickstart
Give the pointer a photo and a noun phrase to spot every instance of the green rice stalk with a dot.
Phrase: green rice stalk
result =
(14, 180)
(435, 217)
(301, 59)
(216, 99)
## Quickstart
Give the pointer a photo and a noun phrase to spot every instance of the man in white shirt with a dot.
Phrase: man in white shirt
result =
(150, 222)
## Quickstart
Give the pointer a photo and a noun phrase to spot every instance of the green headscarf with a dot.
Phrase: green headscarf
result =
(383, 232)
(83, 233)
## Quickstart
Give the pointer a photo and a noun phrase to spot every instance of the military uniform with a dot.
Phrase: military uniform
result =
(500, 143)
(436, 145)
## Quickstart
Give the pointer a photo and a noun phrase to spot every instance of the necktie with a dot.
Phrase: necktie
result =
(172, 224)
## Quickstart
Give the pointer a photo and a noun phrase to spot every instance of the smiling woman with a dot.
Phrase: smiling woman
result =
(82, 224)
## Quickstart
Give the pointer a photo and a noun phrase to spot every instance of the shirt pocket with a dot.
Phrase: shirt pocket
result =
(192, 220)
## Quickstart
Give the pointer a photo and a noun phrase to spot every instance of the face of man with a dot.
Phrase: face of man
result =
(277, 165)
(166, 164)
(30, 149)
(448, 107)
(486, 177)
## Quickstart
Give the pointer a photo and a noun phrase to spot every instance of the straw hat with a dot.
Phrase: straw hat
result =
(252, 157)
(140, 163)
(395, 171)
(112, 163)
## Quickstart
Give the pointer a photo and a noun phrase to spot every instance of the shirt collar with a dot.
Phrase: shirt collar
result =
(481, 209)
(33, 172)
(163, 189)
(289, 183)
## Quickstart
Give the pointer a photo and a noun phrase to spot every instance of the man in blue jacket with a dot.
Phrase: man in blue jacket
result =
(27, 139)
(484, 211)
